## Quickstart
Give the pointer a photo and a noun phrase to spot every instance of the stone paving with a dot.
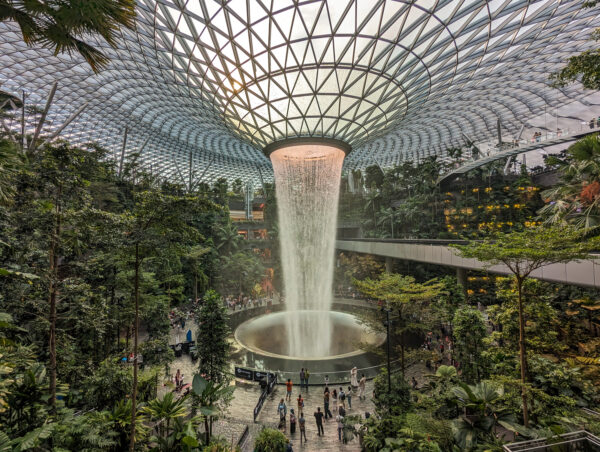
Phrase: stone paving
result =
(313, 398)
(240, 412)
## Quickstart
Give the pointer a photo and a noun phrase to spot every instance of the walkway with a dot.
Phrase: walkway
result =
(522, 148)
(579, 273)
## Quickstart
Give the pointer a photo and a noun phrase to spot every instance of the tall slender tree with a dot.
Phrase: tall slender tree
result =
(405, 298)
(522, 253)
(157, 222)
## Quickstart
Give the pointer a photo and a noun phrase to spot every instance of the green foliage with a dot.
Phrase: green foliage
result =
(270, 440)
(575, 200)
(392, 402)
(584, 67)
(66, 27)
(469, 331)
(110, 382)
(211, 337)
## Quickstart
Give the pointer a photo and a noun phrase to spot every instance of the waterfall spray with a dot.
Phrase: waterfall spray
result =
(307, 178)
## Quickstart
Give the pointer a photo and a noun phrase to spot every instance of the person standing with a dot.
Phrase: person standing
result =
(292, 421)
(353, 377)
(326, 396)
(349, 397)
(361, 387)
(306, 375)
(300, 402)
(334, 400)
(302, 424)
(302, 375)
(340, 425)
(342, 399)
(282, 411)
(289, 386)
(326, 380)
(319, 418)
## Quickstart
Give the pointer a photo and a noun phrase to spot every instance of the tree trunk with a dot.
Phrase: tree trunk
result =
(206, 429)
(135, 347)
(53, 295)
(522, 351)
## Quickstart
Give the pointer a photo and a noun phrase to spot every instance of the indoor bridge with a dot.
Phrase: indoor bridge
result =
(439, 252)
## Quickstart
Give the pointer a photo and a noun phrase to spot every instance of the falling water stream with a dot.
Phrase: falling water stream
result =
(307, 179)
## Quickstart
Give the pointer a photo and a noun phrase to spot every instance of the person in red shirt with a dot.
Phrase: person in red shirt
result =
(289, 386)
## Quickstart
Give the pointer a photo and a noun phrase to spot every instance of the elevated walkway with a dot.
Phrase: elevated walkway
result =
(438, 252)
(522, 148)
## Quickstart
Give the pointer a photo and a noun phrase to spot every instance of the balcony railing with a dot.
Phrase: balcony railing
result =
(581, 441)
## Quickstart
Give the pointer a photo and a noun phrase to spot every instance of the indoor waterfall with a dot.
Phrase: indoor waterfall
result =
(307, 179)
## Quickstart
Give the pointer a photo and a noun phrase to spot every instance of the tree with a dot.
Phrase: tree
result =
(374, 177)
(211, 396)
(584, 67)
(522, 253)
(469, 331)
(576, 198)
(394, 402)
(405, 298)
(157, 222)
(162, 414)
(9, 165)
(66, 25)
(213, 331)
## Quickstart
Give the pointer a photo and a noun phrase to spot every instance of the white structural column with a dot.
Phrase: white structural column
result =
(580, 273)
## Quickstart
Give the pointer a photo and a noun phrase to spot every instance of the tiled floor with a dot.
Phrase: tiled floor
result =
(240, 412)
(313, 399)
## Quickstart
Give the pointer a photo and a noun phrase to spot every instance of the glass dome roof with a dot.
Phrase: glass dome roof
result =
(208, 84)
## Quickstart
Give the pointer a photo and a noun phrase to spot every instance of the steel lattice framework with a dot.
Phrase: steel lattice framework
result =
(208, 84)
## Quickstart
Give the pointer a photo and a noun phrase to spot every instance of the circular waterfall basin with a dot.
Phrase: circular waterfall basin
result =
(266, 335)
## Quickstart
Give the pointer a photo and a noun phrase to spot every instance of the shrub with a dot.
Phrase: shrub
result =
(270, 440)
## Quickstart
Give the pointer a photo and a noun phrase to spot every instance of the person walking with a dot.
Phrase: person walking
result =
(342, 398)
(340, 425)
(302, 375)
(289, 386)
(334, 400)
(319, 418)
(302, 425)
(300, 402)
(361, 387)
(292, 421)
(326, 380)
(326, 397)
(349, 397)
(282, 411)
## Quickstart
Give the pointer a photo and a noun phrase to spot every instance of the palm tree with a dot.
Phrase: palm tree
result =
(207, 394)
(576, 199)
(228, 239)
(162, 413)
(478, 427)
(63, 25)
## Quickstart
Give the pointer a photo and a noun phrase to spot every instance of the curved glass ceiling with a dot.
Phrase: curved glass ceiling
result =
(207, 84)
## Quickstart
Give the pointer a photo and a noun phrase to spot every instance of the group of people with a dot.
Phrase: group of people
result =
(334, 401)
(244, 302)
